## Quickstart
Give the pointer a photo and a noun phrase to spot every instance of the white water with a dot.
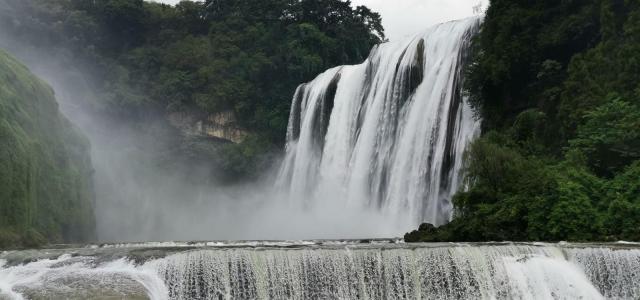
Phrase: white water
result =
(387, 135)
(79, 278)
(327, 270)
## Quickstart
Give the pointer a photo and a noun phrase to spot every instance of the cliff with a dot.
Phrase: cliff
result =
(46, 192)
(222, 125)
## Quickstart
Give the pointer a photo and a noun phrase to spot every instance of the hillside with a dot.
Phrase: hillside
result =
(557, 85)
(215, 69)
(45, 169)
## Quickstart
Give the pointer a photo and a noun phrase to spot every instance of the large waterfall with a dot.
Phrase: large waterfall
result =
(388, 134)
(324, 270)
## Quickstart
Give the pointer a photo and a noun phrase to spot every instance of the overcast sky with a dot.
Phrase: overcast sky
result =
(402, 18)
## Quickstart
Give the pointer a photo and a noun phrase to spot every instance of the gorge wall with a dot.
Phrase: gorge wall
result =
(46, 189)
(222, 125)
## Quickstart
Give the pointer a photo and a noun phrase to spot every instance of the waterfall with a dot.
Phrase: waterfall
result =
(326, 271)
(388, 134)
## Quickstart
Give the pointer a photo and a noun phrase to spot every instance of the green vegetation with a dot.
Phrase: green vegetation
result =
(46, 192)
(558, 86)
(247, 56)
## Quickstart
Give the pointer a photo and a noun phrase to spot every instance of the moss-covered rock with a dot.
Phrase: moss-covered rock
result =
(46, 192)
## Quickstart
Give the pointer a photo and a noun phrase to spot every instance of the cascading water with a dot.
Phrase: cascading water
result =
(388, 134)
(324, 270)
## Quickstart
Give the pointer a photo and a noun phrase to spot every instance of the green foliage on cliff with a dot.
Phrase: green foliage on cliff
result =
(558, 86)
(145, 59)
(247, 56)
(45, 171)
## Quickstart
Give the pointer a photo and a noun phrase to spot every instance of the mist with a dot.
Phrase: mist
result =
(140, 196)
(149, 186)
(138, 200)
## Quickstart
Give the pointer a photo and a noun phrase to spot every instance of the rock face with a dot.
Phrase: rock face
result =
(46, 189)
(222, 125)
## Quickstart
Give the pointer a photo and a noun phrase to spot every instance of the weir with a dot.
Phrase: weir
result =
(388, 134)
(325, 270)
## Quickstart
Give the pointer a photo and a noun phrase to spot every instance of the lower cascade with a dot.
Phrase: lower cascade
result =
(388, 134)
(324, 270)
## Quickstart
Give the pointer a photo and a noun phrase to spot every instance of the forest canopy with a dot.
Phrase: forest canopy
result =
(247, 56)
(146, 60)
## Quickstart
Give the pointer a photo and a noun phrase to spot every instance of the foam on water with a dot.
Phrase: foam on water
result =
(78, 277)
